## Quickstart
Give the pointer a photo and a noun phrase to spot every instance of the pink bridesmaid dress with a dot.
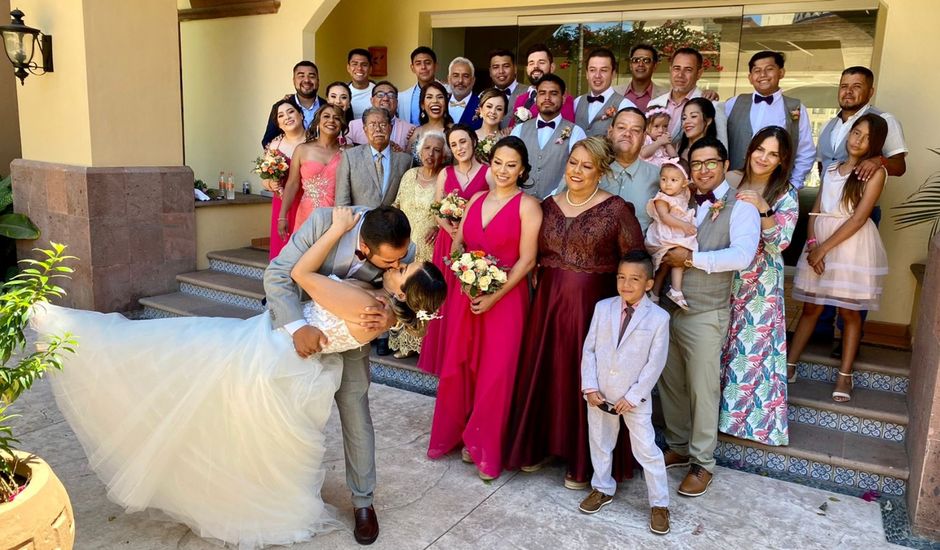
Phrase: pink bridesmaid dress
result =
(482, 352)
(430, 359)
(317, 187)
(276, 242)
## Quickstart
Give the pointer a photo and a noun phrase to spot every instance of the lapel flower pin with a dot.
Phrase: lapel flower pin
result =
(795, 115)
(716, 208)
(565, 134)
(609, 113)
(522, 114)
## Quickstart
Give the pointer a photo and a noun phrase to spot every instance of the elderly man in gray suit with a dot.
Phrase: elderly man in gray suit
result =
(368, 175)
(381, 240)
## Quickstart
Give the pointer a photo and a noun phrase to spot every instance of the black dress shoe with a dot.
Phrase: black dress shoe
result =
(381, 347)
(367, 525)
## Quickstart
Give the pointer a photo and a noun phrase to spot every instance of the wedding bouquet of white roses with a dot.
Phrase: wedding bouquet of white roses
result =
(478, 272)
(484, 146)
(451, 207)
(272, 165)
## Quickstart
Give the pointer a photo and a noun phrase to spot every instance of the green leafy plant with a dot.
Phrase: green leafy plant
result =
(923, 205)
(13, 226)
(36, 283)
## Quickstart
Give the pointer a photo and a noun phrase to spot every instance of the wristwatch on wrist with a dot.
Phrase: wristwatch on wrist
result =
(770, 212)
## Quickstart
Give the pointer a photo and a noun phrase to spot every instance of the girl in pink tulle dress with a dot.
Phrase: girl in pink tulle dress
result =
(672, 225)
(844, 261)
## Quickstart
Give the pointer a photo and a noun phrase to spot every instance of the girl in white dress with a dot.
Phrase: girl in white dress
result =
(844, 261)
(218, 422)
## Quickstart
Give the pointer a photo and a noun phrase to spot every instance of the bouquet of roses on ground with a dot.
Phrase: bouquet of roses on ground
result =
(272, 165)
(478, 272)
(451, 207)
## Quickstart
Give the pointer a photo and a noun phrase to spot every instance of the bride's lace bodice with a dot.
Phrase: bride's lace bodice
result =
(333, 327)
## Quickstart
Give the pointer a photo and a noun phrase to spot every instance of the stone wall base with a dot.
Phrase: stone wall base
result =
(132, 228)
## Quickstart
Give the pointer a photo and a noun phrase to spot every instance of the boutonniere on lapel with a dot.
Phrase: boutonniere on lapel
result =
(795, 115)
(716, 208)
(565, 134)
(609, 113)
(521, 114)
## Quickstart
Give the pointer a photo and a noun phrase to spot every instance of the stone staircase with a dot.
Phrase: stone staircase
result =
(858, 445)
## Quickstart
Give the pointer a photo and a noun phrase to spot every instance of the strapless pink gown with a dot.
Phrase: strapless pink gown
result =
(317, 187)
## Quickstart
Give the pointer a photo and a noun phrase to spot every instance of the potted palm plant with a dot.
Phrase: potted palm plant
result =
(923, 205)
(35, 511)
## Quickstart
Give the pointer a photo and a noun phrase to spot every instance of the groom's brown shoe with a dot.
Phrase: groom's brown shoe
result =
(367, 525)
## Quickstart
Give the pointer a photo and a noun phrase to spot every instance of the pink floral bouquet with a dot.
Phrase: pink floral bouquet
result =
(272, 165)
(478, 272)
(451, 207)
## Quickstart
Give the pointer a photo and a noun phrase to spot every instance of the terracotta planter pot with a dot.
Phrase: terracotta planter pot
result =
(39, 518)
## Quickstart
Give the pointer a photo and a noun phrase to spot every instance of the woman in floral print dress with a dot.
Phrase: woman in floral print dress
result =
(754, 358)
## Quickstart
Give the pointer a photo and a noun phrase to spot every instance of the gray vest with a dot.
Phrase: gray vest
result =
(711, 291)
(596, 127)
(740, 131)
(548, 164)
(831, 152)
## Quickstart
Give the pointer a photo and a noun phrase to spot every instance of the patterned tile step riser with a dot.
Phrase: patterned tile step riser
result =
(221, 296)
(154, 313)
(846, 423)
(404, 379)
(237, 269)
(863, 379)
(737, 456)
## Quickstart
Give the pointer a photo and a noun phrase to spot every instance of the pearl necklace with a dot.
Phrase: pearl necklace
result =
(580, 204)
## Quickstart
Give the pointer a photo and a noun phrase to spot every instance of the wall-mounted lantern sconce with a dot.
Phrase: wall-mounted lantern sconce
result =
(20, 41)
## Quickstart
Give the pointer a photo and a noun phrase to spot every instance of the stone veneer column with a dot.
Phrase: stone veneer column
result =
(923, 401)
(132, 228)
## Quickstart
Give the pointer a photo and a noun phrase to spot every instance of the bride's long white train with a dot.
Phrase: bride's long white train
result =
(216, 422)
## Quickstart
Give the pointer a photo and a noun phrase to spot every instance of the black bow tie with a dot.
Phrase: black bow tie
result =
(543, 124)
(593, 98)
(700, 199)
(769, 100)
(507, 91)
(360, 256)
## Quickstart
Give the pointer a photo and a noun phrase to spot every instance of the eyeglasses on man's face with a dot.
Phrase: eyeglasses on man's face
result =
(644, 60)
(708, 164)
(383, 95)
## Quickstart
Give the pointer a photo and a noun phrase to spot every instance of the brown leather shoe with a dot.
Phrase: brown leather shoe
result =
(674, 459)
(367, 525)
(696, 482)
(659, 520)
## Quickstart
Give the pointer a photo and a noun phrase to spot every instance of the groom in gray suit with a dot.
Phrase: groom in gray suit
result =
(381, 240)
(369, 174)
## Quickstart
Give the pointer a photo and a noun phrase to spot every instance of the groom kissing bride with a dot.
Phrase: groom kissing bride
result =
(219, 422)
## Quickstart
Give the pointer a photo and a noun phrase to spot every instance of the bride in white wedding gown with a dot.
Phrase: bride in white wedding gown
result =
(218, 422)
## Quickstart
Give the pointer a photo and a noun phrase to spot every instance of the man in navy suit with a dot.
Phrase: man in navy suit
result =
(463, 102)
(306, 86)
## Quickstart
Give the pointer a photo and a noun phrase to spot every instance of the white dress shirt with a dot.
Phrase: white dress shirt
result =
(545, 134)
(775, 114)
(894, 141)
(744, 231)
(594, 107)
(361, 99)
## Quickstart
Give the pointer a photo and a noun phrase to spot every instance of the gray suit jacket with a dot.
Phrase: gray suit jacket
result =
(630, 367)
(357, 183)
(284, 295)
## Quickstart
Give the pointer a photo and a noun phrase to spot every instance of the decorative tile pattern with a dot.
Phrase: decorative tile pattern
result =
(821, 471)
(863, 379)
(418, 382)
(776, 462)
(849, 423)
(237, 269)
(792, 412)
(900, 385)
(845, 476)
(753, 456)
(893, 486)
(220, 296)
(868, 480)
(807, 415)
(798, 466)
(846, 423)
(828, 419)
(894, 432)
(152, 313)
(881, 382)
(734, 452)
(871, 428)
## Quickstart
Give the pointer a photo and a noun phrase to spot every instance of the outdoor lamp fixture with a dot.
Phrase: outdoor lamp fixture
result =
(19, 42)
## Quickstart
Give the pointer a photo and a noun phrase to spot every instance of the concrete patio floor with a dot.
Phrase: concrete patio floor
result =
(443, 504)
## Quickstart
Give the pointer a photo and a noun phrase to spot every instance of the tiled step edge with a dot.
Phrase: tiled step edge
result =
(187, 305)
(819, 454)
(887, 361)
(222, 287)
(871, 413)
(403, 374)
(247, 262)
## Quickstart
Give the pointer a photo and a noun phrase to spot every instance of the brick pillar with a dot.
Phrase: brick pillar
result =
(132, 228)
(923, 401)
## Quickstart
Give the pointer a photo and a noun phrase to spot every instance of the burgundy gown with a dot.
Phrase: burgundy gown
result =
(276, 243)
(482, 353)
(578, 260)
(430, 358)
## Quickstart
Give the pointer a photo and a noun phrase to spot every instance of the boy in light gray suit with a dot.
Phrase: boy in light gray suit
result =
(623, 356)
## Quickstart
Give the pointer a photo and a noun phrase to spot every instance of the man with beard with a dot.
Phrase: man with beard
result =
(423, 65)
(548, 137)
(539, 62)
(463, 102)
(631, 178)
(306, 86)
(595, 110)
